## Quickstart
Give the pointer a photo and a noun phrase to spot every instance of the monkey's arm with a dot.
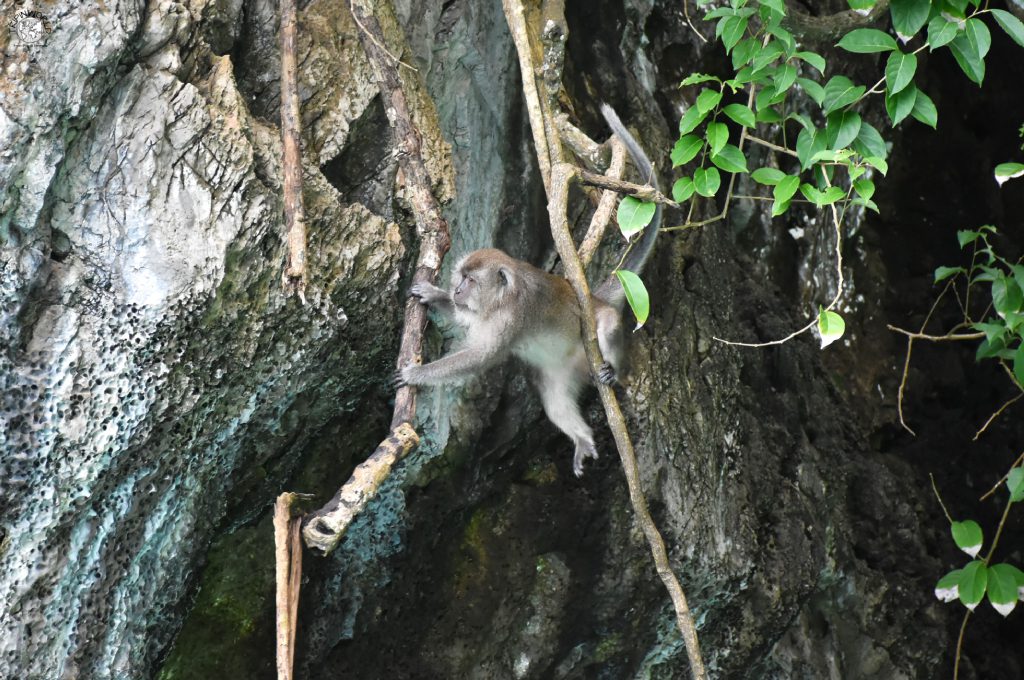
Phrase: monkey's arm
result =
(452, 368)
(435, 297)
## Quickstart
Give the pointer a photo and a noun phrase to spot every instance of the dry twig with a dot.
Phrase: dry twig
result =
(561, 174)
(325, 528)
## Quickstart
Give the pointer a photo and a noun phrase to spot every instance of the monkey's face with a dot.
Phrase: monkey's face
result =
(479, 290)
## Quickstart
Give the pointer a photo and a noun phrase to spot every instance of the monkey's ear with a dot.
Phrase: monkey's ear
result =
(505, 275)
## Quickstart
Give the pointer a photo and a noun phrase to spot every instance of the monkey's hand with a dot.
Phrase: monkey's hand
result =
(429, 294)
(607, 374)
(403, 377)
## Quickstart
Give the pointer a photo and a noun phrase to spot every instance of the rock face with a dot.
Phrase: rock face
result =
(157, 391)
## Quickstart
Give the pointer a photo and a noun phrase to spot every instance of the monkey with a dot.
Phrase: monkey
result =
(509, 307)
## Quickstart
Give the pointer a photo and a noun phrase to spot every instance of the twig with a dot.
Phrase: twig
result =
(378, 43)
(294, 275)
(324, 529)
(603, 213)
(516, 19)
(644, 192)
(936, 338)
(960, 644)
(995, 487)
(839, 285)
(288, 572)
(561, 174)
(773, 147)
(686, 13)
(995, 415)
(942, 505)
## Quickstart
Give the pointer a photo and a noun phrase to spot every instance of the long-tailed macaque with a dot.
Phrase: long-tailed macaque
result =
(509, 307)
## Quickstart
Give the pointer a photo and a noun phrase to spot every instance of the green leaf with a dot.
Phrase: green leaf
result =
(968, 536)
(877, 163)
(1011, 24)
(718, 135)
(768, 115)
(733, 29)
(865, 188)
(1002, 588)
(867, 40)
(839, 92)
(636, 295)
(900, 105)
(842, 128)
(966, 237)
(924, 110)
(744, 52)
(866, 202)
(730, 159)
(941, 32)
(633, 215)
(1005, 171)
(830, 326)
(769, 176)
(1006, 296)
(908, 16)
(1015, 483)
(786, 188)
(707, 100)
(808, 143)
(779, 207)
(943, 273)
(966, 54)
(767, 54)
(948, 587)
(814, 59)
(697, 78)
(869, 143)
(685, 150)
(706, 181)
(690, 120)
(977, 32)
(899, 71)
(682, 189)
(972, 584)
(821, 198)
(813, 90)
(741, 114)
(785, 76)
(778, 6)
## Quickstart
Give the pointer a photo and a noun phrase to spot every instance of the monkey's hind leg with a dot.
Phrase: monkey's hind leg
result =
(612, 342)
(558, 393)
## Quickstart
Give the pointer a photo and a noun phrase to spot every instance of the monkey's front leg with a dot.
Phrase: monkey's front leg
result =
(455, 367)
(435, 297)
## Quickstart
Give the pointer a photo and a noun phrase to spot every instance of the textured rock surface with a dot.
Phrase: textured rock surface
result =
(156, 391)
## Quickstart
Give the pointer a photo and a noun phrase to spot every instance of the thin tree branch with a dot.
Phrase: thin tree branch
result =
(288, 572)
(324, 529)
(644, 192)
(603, 213)
(294, 275)
(561, 174)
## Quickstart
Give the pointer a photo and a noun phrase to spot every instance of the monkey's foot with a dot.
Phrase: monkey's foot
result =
(584, 449)
(607, 375)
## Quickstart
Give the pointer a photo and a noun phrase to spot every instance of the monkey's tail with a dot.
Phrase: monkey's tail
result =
(611, 290)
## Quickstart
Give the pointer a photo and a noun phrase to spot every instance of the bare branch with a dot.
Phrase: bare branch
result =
(603, 213)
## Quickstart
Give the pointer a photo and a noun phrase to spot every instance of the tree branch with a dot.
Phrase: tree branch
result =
(561, 173)
(325, 528)
(294, 275)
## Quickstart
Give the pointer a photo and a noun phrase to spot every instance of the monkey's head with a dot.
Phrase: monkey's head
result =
(483, 281)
